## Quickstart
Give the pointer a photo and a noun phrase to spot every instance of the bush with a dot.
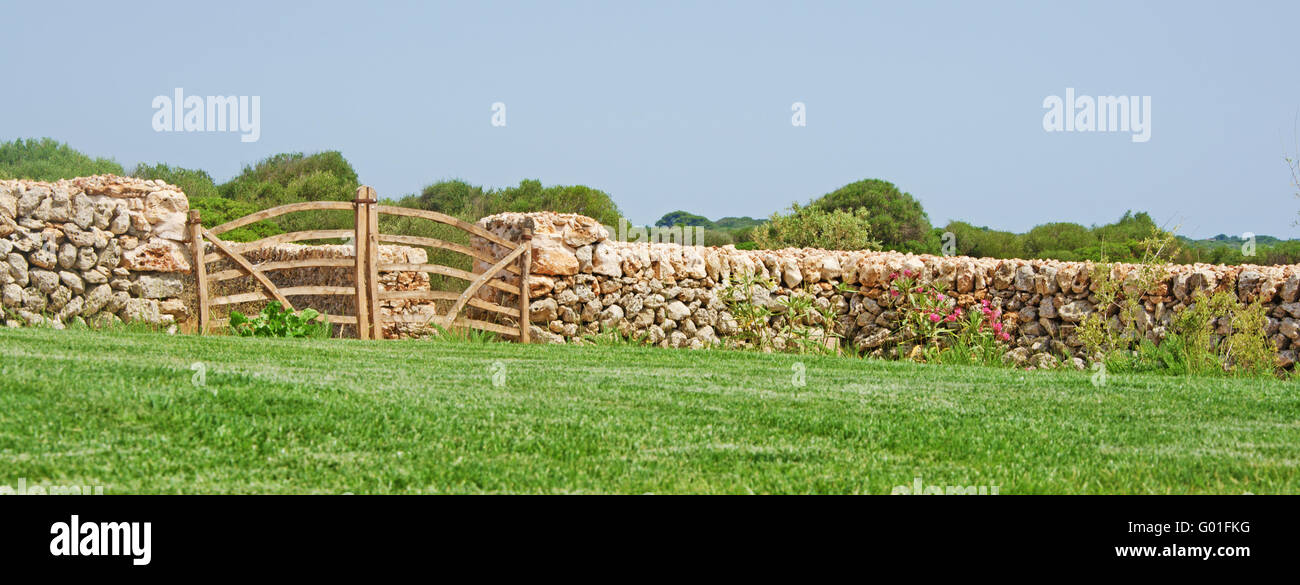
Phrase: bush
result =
(684, 218)
(292, 178)
(810, 227)
(1059, 237)
(981, 242)
(48, 160)
(275, 321)
(194, 183)
(216, 210)
(896, 218)
(456, 198)
(531, 196)
(469, 202)
(716, 238)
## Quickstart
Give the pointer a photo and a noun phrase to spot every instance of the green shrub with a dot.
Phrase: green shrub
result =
(294, 177)
(46, 159)
(896, 218)
(469, 202)
(214, 211)
(811, 227)
(275, 321)
(684, 218)
(1100, 337)
(194, 183)
(717, 238)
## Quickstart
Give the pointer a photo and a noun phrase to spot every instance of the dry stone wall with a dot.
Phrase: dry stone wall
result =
(100, 248)
(583, 282)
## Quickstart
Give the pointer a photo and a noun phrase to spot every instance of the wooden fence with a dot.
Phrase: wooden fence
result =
(367, 320)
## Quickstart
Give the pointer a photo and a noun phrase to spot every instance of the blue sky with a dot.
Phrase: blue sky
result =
(687, 105)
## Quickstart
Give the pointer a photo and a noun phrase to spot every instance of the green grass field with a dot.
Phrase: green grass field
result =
(120, 410)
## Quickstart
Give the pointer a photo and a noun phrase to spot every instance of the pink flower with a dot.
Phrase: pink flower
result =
(907, 273)
(893, 293)
(893, 276)
(985, 303)
(934, 317)
(957, 312)
(920, 289)
(941, 297)
(951, 317)
(1005, 337)
(997, 327)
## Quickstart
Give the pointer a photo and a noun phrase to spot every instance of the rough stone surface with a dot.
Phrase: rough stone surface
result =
(61, 243)
(1042, 301)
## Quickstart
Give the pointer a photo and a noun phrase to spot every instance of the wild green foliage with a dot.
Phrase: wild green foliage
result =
(296, 177)
(798, 323)
(45, 159)
(455, 197)
(812, 227)
(1224, 249)
(462, 335)
(1215, 334)
(896, 218)
(751, 317)
(1201, 348)
(276, 321)
(1105, 339)
(728, 230)
(214, 211)
(470, 202)
(683, 218)
(193, 182)
(1122, 241)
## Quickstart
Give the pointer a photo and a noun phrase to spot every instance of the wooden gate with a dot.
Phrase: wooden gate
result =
(368, 320)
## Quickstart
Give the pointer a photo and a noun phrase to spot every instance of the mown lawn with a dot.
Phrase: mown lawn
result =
(332, 416)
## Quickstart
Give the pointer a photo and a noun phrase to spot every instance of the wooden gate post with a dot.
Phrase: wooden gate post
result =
(360, 246)
(200, 268)
(525, 267)
(372, 264)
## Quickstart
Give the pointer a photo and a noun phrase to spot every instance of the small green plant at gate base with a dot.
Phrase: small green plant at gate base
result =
(462, 334)
(276, 321)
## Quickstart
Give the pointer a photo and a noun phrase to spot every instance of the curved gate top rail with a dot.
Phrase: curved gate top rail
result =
(369, 320)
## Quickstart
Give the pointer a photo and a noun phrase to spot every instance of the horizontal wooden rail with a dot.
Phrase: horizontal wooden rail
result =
(442, 322)
(285, 265)
(287, 291)
(445, 245)
(442, 295)
(448, 271)
(281, 210)
(283, 239)
(448, 220)
(246, 266)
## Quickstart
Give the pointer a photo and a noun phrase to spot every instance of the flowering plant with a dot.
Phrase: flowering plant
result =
(924, 307)
(933, 320)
